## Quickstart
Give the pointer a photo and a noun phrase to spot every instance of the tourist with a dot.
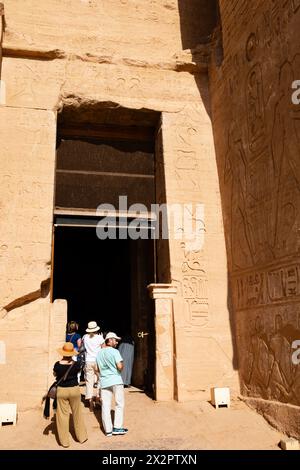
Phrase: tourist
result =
(110, 365)
(92, 344)
(68, 396)
(74, 337)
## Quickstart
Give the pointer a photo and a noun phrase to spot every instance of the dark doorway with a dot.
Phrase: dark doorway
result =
(87, 273)
(106, 281)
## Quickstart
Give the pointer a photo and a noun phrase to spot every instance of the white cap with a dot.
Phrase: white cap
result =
(111, 335)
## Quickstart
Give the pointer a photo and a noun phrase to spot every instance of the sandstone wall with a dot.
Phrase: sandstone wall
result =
(29, 338)
(126, 53)
(257, 138)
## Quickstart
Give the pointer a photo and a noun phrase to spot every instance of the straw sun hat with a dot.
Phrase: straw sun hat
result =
(67, 350)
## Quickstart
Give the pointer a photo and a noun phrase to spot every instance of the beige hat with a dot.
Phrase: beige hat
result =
(92, 327)
(112, 335)
(67, 350)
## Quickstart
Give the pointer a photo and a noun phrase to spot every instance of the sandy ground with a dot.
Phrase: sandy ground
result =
(152, 425)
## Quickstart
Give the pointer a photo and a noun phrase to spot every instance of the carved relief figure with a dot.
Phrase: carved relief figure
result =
(282, 371)
(285, 152)
(236, 172)
(260, 208)
(268, 370)
(261, 361)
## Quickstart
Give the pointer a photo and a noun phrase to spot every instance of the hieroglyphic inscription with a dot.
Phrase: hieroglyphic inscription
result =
(196, 301)
(194, 288)
(187, 138)
(255, 111)
(267, 287)
(186, 166)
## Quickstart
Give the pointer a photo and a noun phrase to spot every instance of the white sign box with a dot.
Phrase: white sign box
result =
(220, 396)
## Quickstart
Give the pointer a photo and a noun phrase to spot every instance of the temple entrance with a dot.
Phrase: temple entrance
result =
(105, 167)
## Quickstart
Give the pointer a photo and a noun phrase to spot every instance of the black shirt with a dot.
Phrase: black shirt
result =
(61, 369)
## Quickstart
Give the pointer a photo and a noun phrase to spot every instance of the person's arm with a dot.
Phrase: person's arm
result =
(119, 360)
(54, 370)
(79, 342)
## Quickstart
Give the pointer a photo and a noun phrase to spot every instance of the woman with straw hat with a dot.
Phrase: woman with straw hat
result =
(68, 396)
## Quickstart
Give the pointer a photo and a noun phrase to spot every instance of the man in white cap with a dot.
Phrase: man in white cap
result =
(110, 364)
(92, 343)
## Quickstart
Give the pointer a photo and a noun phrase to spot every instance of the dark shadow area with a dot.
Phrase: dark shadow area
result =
(198, 25)
(198, 18)
(88, 272)
(51, 429)
(201, 27)
(97, 414)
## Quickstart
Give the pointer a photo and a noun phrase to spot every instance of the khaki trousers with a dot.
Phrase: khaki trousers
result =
(69, 397)
(91, 371)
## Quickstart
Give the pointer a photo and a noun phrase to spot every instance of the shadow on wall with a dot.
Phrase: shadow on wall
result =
(198, 18)
(198, 22)
(201, 32)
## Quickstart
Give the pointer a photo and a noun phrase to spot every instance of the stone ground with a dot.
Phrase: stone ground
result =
(152, 425)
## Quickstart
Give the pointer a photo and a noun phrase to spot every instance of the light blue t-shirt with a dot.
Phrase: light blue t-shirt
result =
(109, 374)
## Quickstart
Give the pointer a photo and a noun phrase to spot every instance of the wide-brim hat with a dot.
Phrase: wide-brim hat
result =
(67, 350)
(92, 327)
(112, 335)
